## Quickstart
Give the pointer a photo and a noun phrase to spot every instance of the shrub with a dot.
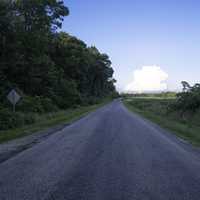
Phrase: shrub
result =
(188, 100)
(5, 119)
(89, 100)
(48, 105)
(8, 119)
(29, 118)
(31, 104)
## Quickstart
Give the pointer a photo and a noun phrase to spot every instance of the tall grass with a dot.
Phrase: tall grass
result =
(157, 110)
(48, 120)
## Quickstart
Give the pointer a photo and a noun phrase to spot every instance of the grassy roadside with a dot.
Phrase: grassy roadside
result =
(155, 109)
(48, 120)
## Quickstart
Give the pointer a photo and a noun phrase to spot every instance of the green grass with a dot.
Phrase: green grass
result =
(156, 110)
(48, 120)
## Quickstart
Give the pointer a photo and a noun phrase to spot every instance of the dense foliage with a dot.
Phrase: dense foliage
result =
(188, 100)
(50, 69)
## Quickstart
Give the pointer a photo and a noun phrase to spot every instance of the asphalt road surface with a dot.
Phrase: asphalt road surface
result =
(111, 154)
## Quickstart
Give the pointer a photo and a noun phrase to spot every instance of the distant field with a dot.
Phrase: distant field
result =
(156, 109)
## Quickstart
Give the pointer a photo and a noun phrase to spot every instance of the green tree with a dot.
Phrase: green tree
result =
(40, 61)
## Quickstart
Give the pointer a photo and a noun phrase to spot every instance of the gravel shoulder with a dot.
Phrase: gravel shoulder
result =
(13, 147)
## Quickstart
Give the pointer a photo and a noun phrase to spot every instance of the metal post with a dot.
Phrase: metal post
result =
(14, 107)
(13, 96)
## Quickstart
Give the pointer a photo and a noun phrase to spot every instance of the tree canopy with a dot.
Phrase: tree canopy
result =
(189, 99)
(39, 60)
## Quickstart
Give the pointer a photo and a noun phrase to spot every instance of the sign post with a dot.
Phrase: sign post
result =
(13, 97)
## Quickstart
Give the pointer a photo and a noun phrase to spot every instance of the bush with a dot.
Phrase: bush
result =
(85, 101)
(37, 105)
(5, 119)
(9, 120)
(31, 104)
(48, 105)
(114, 95)
(188, 100)
(29, 118)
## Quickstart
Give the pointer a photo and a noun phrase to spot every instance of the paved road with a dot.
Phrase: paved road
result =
(111, 154)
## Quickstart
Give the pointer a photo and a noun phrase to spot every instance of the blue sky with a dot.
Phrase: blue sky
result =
(137, 33)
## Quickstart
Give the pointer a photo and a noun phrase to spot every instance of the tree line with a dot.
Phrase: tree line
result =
(51, 69)
(187, 101)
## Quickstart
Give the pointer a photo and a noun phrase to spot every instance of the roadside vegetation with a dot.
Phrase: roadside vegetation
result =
(164, 95)
(51, 70)
(48, 120)
(179, 114)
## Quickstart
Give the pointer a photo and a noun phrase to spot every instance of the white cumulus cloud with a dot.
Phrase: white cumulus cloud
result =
(147, 79)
